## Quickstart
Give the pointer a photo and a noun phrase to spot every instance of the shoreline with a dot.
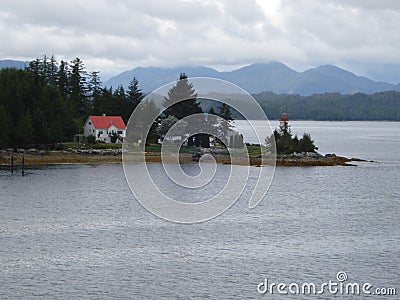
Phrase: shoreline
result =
(67, 157)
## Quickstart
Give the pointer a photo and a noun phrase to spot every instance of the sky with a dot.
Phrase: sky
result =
(112, 36)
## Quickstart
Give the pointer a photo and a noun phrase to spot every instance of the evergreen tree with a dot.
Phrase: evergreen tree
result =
(24, 132)
(78, 88)
(41, 127)
(212, 111)
(44, 69)
(120, 102)
(184, 92)
(306, 144)
(286, 144)
(105, 104)
(5, 128)
(62, 79)
(53, 69)
(94, 85)
(225, 112)
(94, 89)
(295, 143)
(134, 93)
(34, 68)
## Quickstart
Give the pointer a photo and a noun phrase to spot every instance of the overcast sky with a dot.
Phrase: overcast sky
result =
(112, 36)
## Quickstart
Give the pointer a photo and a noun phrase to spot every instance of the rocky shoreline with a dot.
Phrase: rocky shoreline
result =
(93, 156)
(315, 159)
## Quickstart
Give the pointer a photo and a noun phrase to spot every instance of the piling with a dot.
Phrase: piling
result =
(23, 164)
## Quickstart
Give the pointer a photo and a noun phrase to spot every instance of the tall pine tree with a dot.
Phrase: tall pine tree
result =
(134, 93)
(78, 88)
(183, 91)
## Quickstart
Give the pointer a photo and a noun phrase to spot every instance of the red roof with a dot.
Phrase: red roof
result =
(107, 121)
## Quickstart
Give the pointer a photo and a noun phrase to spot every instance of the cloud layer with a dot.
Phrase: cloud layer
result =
(117, 35)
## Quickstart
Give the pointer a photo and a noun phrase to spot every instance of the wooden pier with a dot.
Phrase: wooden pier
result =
(14, 165)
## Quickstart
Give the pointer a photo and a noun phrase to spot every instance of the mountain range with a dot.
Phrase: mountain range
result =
(256, 78)
(8, 63)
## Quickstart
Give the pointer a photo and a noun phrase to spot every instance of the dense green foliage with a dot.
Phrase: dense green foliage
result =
(182, 102)
(183, 98)
(333, 106)
(286, 143)
(383, 106)
(48, 102)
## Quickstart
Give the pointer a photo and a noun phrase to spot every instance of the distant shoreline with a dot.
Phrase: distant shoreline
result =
(312, 120)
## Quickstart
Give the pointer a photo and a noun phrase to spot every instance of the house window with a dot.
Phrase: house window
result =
(119, 131)
(100, 132)
(90, 123)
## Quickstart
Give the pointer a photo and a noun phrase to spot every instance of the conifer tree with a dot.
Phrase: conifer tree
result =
(78, 87)
(184, 92)
(134, 93)
(24, 132)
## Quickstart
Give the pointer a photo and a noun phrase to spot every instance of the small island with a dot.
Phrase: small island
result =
(292, 151)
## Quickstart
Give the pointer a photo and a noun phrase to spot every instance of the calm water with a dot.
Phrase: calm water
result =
(73, 232)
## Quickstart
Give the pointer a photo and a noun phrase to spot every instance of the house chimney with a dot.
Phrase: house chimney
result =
(104, 115)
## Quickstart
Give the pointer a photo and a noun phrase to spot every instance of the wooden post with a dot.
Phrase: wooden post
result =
(23, 164)
(12, 162)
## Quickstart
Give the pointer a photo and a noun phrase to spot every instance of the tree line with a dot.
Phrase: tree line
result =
(48, 102)
(333, 106)
(285, 143)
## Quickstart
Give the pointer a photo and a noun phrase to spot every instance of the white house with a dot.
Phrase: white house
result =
(104, 128)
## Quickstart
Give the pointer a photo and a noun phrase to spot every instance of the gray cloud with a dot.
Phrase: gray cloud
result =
(112, 36)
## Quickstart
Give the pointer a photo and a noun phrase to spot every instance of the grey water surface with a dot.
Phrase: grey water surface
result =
(76, 232)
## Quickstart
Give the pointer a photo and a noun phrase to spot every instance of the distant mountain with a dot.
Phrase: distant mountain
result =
(12, 64)
(152, 78)
(274, 76)
(260, 77)
(328, 78)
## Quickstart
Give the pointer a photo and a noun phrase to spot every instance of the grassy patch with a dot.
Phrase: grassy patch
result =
(90, 146)
(254, 150)
(183, 149)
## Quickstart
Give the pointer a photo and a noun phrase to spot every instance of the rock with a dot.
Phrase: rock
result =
(312, 154)
(32, 151)
(196, 155)
(102, 152)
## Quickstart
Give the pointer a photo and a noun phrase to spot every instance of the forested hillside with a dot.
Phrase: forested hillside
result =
(333, 106)
(48, 102)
